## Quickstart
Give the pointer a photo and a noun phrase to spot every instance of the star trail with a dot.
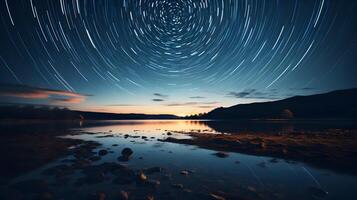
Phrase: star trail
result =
(126, 51)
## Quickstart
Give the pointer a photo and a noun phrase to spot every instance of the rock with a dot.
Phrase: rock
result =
(127, 152)
(123, 195)
(153, 170)
(184, 172)
(103, 152)
(178, 186)
(217, 197)
(99, 173)
(154, 183)
(104, 136)
(168, 133)
(221, 154)
(115, 145)
(142, 177)
(144, 137)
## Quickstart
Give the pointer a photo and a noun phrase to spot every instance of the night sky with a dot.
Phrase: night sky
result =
(173, 56)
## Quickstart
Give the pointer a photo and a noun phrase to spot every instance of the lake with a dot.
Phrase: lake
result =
(159, 169)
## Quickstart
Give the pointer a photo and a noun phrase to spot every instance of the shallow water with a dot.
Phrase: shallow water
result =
(233, 177)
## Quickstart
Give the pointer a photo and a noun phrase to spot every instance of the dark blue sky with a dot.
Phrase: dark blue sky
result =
(173, 56)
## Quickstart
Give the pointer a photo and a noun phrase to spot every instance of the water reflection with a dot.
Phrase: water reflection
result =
(232, 176)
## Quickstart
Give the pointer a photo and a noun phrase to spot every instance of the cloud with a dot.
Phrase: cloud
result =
(36, 93)
(304, 88)
(123, 105)
(158, 100)
(242, 94)
(197, 97)
(161, 95)
(206, 106)
(192, 103)
(254, 94)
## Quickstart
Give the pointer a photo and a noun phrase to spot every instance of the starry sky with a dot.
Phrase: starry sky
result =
(173, 56)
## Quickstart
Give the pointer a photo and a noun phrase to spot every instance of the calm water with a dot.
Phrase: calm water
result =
(254, 177)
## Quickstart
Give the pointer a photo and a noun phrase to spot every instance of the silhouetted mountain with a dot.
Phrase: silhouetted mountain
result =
(341, 104)
(14, 111)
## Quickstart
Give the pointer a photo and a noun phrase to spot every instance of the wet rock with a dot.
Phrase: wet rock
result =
(317, 192)
(32, 186)
(184, 172)
(85, 150)
(123, 195)
(105, 136)
(251, 189)
(102, 152)
(216, 197)
(168, 133)
(115, 145)
(177, 186)
(142, 177)
(153, 170)
(126, 154)
(144, 137)
(99, 173)
(221, 154)
(154, 183)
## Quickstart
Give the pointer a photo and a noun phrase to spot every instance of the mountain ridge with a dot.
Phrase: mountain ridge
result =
(318, 106)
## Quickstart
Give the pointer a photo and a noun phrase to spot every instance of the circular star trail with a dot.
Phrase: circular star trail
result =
(141, 44)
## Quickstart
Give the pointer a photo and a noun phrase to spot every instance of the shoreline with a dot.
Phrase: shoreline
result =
(319, 149)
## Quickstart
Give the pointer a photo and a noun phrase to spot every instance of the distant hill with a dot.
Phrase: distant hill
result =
(341, 104)
(33, 112)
